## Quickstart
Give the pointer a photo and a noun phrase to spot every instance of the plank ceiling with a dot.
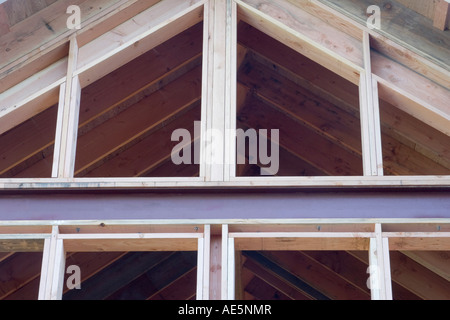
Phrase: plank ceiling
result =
(264, 275)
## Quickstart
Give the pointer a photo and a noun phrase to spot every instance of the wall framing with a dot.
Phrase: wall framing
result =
(218, 170)
(365, 235)
(90, 55)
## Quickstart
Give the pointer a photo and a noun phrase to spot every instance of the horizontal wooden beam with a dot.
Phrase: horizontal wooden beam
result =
(137, 244)
(21, 245)
(310, 235)
(395, 182)
(303, 243)
(434, 243)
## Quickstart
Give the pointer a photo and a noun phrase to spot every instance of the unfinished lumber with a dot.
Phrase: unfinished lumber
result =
(68, 116)
(216, 89)
(157, 278)
(268, 275)
(118, 47)
(379, 267)
(326, 285)
(31, 37)
(202, 280)
(145, 154)
(18, 271)
(4, 21)
(418, 279)
(431, 98)
(215, 271)
(129, 267)
(441, 15)
(300, 140)
(278, 23)
(370, 116)
(173, 292)
(402, 28)
(437, 261)
(52, 270)
(53, 50)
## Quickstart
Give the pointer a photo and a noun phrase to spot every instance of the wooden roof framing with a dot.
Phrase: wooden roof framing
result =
(338, 54)
(280, 270)
(94, 109)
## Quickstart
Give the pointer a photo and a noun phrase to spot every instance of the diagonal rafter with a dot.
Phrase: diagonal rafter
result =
(286, 275)
(123, 271)
(103, 100)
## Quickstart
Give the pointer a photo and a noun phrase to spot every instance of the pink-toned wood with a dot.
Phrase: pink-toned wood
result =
(441, 14)
(4, 21)
(215, 272)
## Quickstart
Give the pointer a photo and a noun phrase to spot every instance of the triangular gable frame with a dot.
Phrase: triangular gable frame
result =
(218, 110)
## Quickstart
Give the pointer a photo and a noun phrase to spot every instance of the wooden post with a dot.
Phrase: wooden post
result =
(231, 270)
(379, 267)
(219, 58)
(231, 92)
(53, 264)
(224, 262)
(441, 15)
(203, 265)
(215, 271)
(228, 265)
(68, 114)
(58, 271)
(200, 269)
(44, 270)
(387, 268)
(370, 117)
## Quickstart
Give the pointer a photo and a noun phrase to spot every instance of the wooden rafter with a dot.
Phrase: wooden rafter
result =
(287, 281)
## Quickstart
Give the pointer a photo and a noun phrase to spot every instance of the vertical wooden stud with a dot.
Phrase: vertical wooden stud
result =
(441, 14)
(67, 121)
(200, 269)
(370, 118)
(231, 92)
(379, 267)
(231, 272)
(218, 97)
(203, 267)
(44, 269)
(224, 262)
(53, 264)
(215, 267)
(58, 271)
